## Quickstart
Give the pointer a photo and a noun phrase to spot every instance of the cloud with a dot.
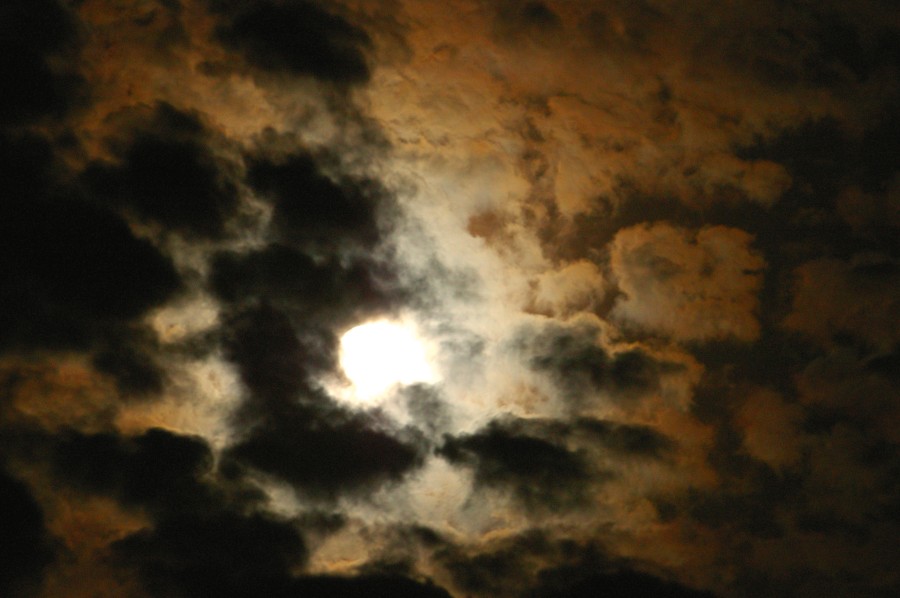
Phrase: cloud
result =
(37, 68)
(574, 357)
(158, 469)
(165, 171)
(534, 564)
(204, 536)
(366, 585)
(626, 439)
(690, 285)
(298, 38)
(312, 209)
(855, 297)
(26, 548)
(76, 276)
(518, 21)
(132, 364)
(541, 473)
(620, 584)
(503, 567)
(54, 395)
(771, 429)
(852, 388)
(273, 363)
(221, 553)
(577, 287)
(650, 253)
(325, 453)
(296, 281)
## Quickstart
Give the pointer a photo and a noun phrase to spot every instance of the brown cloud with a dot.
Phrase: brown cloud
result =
(56, 394)
(771, 428)
(690, 285)
(856, 297)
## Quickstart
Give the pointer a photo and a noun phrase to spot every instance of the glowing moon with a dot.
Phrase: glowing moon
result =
(378, 355)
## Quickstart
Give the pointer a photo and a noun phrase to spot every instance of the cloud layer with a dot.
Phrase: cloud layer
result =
(649, 251)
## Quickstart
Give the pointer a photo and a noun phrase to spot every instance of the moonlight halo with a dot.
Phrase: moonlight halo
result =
(378, 355)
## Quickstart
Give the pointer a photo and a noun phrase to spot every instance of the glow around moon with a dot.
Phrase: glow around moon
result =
(379, 355)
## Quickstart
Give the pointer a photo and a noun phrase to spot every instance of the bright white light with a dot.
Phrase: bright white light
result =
(378, 355)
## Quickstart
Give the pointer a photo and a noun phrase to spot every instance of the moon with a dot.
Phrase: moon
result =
(377, 356)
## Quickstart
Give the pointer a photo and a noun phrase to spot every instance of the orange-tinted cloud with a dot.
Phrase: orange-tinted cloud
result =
(690, 285)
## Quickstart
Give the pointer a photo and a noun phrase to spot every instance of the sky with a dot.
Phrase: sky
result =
(623, 279)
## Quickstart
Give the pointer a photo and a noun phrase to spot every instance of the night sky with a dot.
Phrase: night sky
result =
(633, 269)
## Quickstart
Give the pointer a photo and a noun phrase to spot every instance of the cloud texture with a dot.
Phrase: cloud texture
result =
(650, 251)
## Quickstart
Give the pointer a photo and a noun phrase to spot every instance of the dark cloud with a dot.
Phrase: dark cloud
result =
(589, 231)
(274, 364)
(297, 38)
(167, 26)
(313, 210)
(862, 301)
(332, 290)
(158, 470)
(132, 364)
(546, 463)
(751, 490)
(206, 536)
(73, 271)
(574, 359)
(626, 439)
(824, 157)
(30, 168)
(363, 586)
(526, 20)
(818, 154)
(627, 28)
(327, 451)
(887, 365)
(568, 583)
(824, 49)
(494, 570)
(840, 51)
(754, 511)
(539, 472)
(165, 171)
(218, 554)
(427, 408)
(73, 275)
(25, 545)
(38, 46)
(310, 283)
(535, 564)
